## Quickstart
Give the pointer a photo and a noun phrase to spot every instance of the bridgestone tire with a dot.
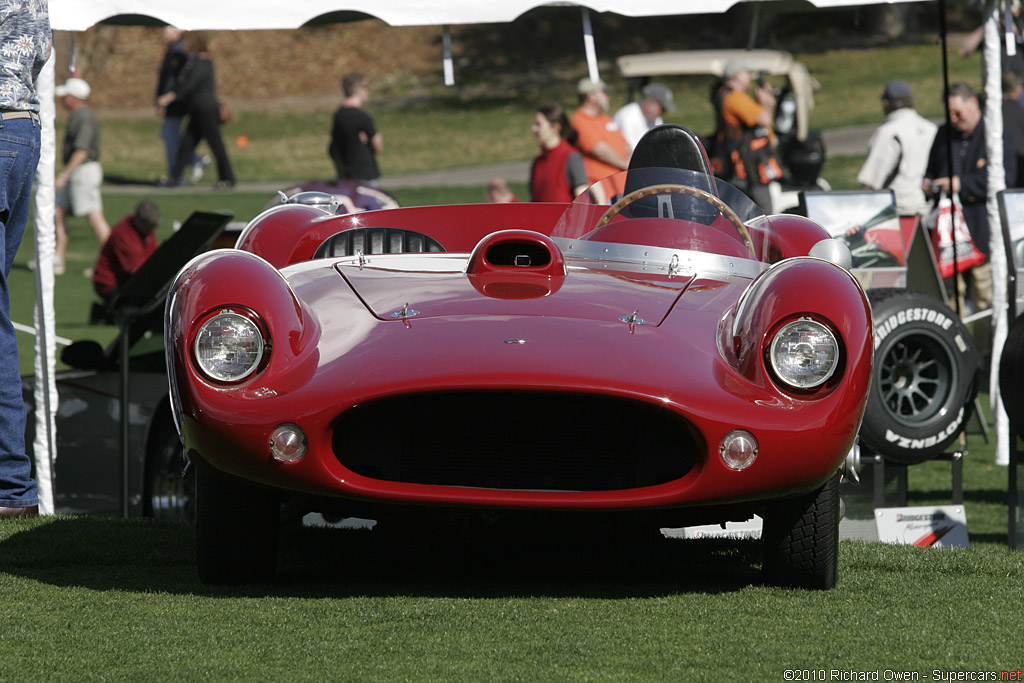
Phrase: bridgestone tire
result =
(922, 385)
(236, 530)
(801, 539)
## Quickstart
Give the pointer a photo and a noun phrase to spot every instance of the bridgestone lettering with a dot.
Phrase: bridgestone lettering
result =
(928, 315)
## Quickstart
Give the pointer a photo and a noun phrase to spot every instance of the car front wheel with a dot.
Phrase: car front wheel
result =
(236, 529)
(170, 490)
(801, 539)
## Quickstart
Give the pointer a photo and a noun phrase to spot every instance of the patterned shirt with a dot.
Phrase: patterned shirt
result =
(24, 47)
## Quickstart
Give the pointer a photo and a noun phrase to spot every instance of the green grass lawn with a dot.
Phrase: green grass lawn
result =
(103, 599)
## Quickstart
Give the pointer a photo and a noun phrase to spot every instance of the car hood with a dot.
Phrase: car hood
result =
(433, 286)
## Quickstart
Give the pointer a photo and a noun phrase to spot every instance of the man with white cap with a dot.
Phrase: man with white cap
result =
(898, 151)
(604, 150)
(78, 185)
(636, 118)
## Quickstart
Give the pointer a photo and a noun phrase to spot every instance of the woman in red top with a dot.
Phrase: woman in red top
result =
(557, 174)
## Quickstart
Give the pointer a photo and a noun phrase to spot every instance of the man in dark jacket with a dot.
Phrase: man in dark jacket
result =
(969, 179)
(970, 161)
(175, 57)
(196, 88)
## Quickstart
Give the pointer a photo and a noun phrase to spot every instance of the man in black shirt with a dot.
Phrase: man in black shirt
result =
(355, 141)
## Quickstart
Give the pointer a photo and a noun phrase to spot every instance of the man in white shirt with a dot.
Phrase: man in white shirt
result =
(898, 151)
(636, 118)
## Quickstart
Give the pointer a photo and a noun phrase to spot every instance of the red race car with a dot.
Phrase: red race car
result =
(676, 357)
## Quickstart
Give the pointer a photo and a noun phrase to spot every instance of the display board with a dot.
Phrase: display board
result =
(867, 221)
(1011, 215)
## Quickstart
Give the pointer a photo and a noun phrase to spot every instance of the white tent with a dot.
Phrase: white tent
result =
(79, 15)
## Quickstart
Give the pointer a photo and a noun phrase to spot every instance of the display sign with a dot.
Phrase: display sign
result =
(941, 526)
(1011, 214)
(866, 220)
(1011, 210)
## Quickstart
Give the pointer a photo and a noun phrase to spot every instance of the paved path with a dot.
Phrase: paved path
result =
(838, 142)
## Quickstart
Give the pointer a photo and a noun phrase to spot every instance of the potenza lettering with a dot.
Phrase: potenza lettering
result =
(928, 315)
(906, 442)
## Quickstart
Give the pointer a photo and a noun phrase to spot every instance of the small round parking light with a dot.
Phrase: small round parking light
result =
(738, 449)
(288, 443)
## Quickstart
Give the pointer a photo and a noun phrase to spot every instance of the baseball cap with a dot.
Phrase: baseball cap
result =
(895, 90)
(660, 94)
(734, 66)
(587, 86)
(75, 87)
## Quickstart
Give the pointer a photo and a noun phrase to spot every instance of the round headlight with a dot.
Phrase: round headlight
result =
(229, 347)
(804, 354)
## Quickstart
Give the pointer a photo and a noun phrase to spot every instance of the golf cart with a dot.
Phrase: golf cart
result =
(800, 149)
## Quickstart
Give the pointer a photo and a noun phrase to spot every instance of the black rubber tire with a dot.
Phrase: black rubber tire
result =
(922, 386)
(1011, 370)
(801, 539)
(169, 491)
(236, 530)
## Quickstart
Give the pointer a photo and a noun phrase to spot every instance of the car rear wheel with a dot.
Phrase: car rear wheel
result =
(801, 539)
(236, 529)
(922, 387)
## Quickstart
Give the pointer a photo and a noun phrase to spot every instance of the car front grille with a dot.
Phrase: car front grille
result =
(516, 441)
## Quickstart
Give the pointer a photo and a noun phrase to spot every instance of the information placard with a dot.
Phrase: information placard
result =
(940, 526)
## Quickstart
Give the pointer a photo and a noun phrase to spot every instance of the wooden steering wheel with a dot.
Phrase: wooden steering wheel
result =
(722, 207)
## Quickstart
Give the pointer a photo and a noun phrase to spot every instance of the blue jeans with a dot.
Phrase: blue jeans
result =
(19, 154)
(170, 132)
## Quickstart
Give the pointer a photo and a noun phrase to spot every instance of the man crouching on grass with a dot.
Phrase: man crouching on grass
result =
(131, 243)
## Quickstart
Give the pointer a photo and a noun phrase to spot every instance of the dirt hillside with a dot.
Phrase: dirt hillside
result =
(255, 69)
(300, 69)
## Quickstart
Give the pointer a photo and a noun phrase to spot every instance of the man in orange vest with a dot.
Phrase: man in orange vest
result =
(605, 150)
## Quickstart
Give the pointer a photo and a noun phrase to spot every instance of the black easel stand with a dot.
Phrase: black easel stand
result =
(880, 465)
(146, 290)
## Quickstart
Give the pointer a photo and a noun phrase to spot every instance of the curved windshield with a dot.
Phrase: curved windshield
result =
(669, 208)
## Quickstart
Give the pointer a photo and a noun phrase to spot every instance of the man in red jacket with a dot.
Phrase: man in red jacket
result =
(131, 242)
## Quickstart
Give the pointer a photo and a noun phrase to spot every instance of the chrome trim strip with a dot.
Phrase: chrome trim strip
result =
(673, 262)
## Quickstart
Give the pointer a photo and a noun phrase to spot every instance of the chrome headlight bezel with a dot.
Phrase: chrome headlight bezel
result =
(815, 349)
(226, 360)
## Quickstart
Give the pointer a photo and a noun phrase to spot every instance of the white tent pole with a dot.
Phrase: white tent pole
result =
(45, 390)
(588, 46)
(992, 61)
(449, 68)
